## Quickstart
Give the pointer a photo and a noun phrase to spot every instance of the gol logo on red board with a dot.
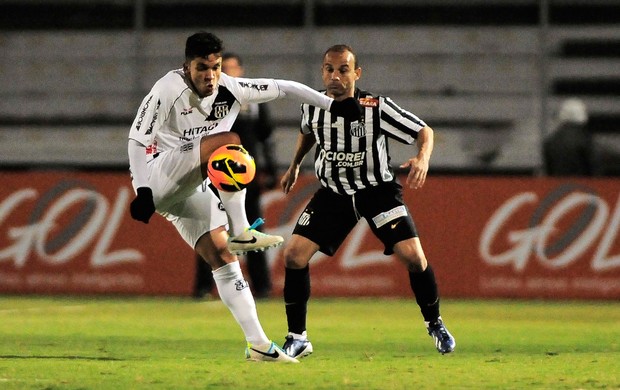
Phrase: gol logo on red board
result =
(97, 223)
(596, 221)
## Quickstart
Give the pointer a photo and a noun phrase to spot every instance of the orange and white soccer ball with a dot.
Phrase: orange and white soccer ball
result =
(231, 168)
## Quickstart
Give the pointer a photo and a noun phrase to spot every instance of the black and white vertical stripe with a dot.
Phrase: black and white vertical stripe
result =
(364, 144)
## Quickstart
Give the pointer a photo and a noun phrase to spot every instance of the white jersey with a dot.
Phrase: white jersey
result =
(172, 113)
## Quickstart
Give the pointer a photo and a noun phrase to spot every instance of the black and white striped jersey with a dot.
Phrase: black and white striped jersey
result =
(351, 156)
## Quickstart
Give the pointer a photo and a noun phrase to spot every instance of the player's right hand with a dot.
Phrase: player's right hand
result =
(349, 108)
(142, 207)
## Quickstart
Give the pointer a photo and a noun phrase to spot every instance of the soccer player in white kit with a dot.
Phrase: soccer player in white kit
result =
(186, 116)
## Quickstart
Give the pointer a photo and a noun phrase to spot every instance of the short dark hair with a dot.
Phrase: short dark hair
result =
(341, 48)
(229, 55)
(202, 44)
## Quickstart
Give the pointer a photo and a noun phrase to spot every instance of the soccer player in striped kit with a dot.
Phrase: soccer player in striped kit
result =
(352, 165)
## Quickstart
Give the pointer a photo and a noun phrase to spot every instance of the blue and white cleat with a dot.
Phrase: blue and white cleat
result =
(268, 353)
(297, 347)
(444, 342)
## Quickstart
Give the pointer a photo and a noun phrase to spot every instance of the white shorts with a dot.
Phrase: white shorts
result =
(176, 181)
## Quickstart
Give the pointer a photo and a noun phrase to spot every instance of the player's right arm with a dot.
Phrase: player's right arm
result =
(141, 136)
(143, 206)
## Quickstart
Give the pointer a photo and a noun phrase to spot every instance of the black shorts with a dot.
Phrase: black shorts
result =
(329, 217)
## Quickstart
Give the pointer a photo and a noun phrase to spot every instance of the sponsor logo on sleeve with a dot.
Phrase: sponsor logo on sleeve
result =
(150, 129)
(258, 87)
(143, 113)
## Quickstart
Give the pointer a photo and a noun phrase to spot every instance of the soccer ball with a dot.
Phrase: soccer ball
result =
(231, 168)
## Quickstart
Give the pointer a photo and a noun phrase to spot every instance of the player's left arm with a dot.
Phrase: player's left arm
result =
(418, 165)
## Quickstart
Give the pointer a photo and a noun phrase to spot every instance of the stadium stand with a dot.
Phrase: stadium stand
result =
(474, 70)
(586, 64)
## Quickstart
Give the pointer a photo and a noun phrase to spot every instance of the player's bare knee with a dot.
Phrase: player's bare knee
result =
(413, 261)
(416, 267)
(217, 257)
(410, 253)
(416, 263)
(293, 258)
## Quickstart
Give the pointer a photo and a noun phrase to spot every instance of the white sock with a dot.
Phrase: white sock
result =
(234, 203)
(297, 336)
(235, 292)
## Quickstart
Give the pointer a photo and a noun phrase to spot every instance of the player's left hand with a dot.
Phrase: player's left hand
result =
(418, 168)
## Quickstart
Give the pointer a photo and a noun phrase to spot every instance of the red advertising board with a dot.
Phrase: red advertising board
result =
(485, 237)
(70, 233)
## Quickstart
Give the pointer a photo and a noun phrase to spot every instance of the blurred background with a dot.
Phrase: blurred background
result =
(489, 76)
(518, 92)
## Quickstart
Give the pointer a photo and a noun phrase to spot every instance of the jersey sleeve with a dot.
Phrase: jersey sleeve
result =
(305, 126)
(154, 111)
(304, 94)
(248, 90)
(146, 123)
(398, 122)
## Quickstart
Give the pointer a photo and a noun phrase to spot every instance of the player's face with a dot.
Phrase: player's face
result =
(340, 74)
(205, 73)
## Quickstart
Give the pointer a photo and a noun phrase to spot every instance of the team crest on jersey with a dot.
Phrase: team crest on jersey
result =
(369, 102)
(358, 129)
(220, 110)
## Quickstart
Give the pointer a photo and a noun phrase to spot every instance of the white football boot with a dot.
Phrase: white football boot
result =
(251, 240)
(268, 353)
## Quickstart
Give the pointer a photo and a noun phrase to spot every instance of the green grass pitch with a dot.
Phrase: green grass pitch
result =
(179, 343)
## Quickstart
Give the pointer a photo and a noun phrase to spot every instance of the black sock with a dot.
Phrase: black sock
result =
(424, 288)
(296, 296)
